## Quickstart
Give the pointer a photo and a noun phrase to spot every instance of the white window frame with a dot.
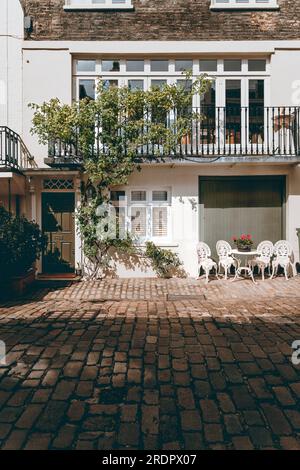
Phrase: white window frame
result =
(149, 204)
(106, 5)
(244, 5)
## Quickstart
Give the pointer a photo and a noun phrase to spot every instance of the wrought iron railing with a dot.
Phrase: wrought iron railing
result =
(211, 132)
(13, 152)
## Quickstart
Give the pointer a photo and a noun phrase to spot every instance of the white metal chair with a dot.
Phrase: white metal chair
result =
(283, 257)
(205, 261)
(226, 259)
(263, 261)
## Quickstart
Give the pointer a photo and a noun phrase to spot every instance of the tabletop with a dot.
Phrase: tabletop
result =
(245, 253)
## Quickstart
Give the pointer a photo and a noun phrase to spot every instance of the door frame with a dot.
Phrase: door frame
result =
(282, 177)
(58, 191)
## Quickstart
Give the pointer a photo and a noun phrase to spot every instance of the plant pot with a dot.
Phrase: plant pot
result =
(18, 285)
(244, 248)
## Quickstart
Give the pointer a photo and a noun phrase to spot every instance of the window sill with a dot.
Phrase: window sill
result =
(159, 244)
(244, 7)
(98, 8)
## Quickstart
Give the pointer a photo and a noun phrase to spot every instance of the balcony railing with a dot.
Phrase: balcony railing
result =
(212, 132)
(13, 152)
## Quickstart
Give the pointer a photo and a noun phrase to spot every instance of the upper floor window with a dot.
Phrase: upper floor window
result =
(244, 4)
(98, 4)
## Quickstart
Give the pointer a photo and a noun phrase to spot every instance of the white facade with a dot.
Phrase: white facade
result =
(33, 72)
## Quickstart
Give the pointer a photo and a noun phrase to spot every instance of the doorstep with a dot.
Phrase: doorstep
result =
(58, 277)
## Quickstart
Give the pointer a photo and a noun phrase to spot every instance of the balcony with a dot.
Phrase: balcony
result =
(213, 134)
(14, 155)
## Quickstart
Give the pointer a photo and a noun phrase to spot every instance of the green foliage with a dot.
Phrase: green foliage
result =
(21, 243)
(108, 132)
(164, 262)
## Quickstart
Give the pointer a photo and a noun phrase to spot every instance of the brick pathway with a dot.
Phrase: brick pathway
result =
(152, 364)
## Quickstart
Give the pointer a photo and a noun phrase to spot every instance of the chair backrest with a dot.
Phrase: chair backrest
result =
(223, 249)
(203, 251)
(266, 249)
(283, 249)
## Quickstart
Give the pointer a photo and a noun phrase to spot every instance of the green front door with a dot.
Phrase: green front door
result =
(58, 224)
(230, 206)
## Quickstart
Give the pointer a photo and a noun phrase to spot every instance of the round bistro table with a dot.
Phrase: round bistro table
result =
(244, 255)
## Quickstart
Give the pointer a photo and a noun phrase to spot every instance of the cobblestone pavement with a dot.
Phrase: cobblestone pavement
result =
(152, 364)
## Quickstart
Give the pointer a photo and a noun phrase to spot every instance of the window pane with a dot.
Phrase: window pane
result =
(138, 196)
(232, 65)
(138, 221)
(160, 222)
(256, 111)
(86, 65)
(159, 65)
(209, 65)
(256, 65)
(135, 66)
(160, 196)
(183, 65)
(109, 83)
(87, 89)
(208, 111)
(136, 85)
(110, 66)
(233, 111)
(158, 83)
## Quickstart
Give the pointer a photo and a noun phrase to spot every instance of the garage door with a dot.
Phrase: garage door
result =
(231, 206)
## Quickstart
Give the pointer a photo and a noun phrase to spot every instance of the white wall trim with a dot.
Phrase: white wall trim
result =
(186, 48)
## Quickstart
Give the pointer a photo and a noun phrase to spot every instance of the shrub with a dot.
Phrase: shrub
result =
(21, 243)
(164, 262)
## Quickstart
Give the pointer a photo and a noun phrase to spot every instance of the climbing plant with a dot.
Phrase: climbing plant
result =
(109, 134)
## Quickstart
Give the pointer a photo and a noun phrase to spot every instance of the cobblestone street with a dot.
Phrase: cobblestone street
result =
(152, 364)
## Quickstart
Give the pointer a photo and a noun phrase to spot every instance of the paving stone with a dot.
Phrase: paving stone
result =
(65, 437)
(38, 441)
(210, 411)
(52, 416)
(276, 420)
(76, 410)
(191, 420)
(242, 443)
(129, 434)
(129, 413)
(30, 415)
(213, 432)
(261, 437)
(150, 419)
(15, 440)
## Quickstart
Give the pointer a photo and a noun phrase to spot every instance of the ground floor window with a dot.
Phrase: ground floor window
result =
(145, 213)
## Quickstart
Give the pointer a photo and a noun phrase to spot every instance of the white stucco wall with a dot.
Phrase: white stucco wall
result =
(285, 78)
(11, 40)
(47, 74)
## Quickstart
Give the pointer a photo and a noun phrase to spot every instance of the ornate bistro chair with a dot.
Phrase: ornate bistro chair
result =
(283, 257)
(226, 259)
(263, 260)
(205, 261)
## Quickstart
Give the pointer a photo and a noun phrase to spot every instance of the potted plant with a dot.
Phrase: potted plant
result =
(21, 243)
(244, 242)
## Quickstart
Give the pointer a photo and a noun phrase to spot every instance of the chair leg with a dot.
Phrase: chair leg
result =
(206, 275)
(263, 273)
(294, 269)
(286, 272)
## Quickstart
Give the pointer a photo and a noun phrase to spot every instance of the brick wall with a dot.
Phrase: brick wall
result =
(163, 20)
